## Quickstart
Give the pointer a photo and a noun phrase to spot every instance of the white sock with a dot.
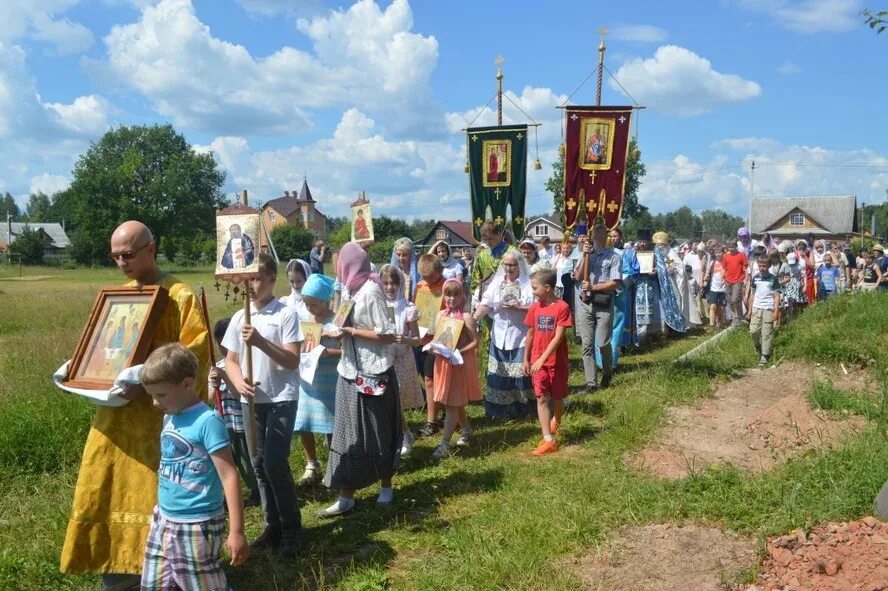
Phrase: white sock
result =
(313, 464)
(386, 494)
(549, 437)
(342, 504)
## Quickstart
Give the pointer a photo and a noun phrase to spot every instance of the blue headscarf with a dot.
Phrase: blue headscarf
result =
(319, 287)
(414, 272)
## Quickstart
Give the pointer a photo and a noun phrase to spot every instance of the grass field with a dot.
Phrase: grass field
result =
(490, 518)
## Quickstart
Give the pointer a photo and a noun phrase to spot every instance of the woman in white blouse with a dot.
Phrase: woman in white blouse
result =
(367, 437)
(506, 301)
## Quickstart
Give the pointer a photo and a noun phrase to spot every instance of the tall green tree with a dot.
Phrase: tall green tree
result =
(719, 224)
(292, 242)
(27, 247)
(635, 171)
(38, 208)
(148, 173)
(9, 206)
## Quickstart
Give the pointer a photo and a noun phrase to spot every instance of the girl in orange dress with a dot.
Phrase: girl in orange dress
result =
(456, 385)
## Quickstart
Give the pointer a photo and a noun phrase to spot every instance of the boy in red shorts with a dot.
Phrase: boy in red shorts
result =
(545, 357)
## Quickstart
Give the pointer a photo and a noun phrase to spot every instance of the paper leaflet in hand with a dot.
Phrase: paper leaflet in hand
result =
(454, 356)
(113, 397)
(308, 364)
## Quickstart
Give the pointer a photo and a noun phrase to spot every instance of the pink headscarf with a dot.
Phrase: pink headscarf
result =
(353, 267)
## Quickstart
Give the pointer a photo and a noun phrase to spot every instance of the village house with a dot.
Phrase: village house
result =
(544, 226)
(297, 209)
(55, 241)
(457, 233)
(827, 217)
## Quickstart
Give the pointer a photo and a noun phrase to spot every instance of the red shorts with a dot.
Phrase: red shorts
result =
(550, 381)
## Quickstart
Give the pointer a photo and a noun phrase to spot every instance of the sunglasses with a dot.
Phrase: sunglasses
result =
(127, 256)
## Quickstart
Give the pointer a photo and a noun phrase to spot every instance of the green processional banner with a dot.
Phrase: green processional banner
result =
(498, 175)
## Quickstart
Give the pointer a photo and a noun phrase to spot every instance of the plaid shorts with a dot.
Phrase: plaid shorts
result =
(184, 555)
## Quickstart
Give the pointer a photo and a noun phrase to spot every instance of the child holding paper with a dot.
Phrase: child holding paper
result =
(456, 385)
(317, 400)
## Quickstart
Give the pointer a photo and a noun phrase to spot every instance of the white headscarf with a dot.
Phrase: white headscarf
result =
(499, 276)
(452, 267)
(294, 300)
(400, 303)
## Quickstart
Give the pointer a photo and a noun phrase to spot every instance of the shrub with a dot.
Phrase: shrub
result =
(28, 247)
(292, 242)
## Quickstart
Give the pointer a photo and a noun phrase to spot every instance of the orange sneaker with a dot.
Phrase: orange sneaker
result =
(546, 447)
(553, 425)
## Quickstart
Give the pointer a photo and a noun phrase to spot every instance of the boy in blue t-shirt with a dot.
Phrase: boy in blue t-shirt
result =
(185, 541)
(827, 278)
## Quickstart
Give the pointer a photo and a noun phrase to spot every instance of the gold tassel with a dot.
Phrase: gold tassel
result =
(537, 165)
(466, 167)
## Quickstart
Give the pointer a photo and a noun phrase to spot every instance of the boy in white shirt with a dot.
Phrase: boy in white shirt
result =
(275, 336)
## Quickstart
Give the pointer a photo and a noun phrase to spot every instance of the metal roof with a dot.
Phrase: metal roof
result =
(54, 231)
(835, 213)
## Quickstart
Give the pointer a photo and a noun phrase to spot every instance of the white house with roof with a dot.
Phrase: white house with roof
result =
(544, 226)
(829, 217)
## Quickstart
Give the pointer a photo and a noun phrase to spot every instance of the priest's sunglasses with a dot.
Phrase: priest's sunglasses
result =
(129, 255)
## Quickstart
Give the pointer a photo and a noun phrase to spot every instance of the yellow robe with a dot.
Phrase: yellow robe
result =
(117, 484)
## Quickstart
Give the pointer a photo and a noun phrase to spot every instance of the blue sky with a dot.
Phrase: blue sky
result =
(372, 95)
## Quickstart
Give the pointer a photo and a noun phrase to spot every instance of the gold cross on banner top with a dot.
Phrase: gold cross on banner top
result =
(498, 220)
(498, 191)
(571, 203)
(592, 175)
(612, 206)
(519, 136)
(474, 138)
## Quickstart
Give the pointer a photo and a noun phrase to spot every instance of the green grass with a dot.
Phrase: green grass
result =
(492, 517)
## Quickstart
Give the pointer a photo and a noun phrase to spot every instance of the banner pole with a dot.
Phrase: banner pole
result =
(251, 404)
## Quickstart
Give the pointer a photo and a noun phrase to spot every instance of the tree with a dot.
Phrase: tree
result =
(720, 224)
(878, 21)
(9, 206)
(28, 246)
(292, 242)
(683, 223)
(635, 170)
(148, 173)
(555, 184)
(38, 207)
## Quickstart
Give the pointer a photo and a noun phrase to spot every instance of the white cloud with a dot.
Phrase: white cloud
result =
(788, 68)
(48, 183)
(639, 34)
(365, 57)
(677, 81)
(724, 181)
(86, 116)
(226, 150)
(68, 37)
(811, 16)
(539, 103)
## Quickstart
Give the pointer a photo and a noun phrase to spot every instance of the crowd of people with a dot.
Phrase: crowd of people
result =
(518, 304)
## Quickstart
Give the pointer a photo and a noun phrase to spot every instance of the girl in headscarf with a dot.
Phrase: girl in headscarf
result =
(315, 412)
(452, 267)
(529, 251)
(406, 337)
(456, 385)
(366, 442)
(506, 301)
(297, 274)
(404, 258)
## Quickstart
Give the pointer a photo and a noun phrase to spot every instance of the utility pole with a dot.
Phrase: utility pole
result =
(751, 197)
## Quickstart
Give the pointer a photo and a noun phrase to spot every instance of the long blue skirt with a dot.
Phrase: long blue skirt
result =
(620, 336)
(509, 391)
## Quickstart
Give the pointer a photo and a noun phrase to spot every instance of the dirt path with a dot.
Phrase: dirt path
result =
(833, 557)
(752, 422)
(667, 558)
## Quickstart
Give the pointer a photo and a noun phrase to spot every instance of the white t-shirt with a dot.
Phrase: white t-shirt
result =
(509, 330)
(279, 324)
(295, 301)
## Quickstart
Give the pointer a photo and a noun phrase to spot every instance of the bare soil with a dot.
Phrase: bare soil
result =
(752, 422)
(832, 557)
(666, 557)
